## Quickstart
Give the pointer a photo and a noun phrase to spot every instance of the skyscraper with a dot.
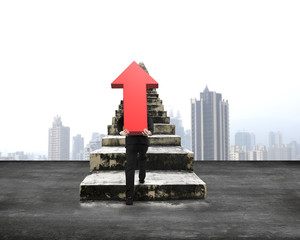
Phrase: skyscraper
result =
(210, 126)
(278, 150)
(245, 139)
(78, 148)
(59, 141)
(94, 144)
(275, 139)
(179, 129)
(197, 129)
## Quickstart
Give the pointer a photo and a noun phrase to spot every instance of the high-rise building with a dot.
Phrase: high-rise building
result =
(197, 129)
(188, 139)
(258, 153)
(283, 152)
(245, 139)
(59, 141)
(179, 129)
(277, 150)
(275, 139)
(234, 154)
(242, 154)
(294, 150)
(210, 127)
(78, 148)
(94, 144)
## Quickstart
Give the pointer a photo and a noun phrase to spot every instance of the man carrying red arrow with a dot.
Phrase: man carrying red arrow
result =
(135, 80)
(135, 145)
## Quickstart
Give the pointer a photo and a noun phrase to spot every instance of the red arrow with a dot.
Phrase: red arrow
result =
(135, 81)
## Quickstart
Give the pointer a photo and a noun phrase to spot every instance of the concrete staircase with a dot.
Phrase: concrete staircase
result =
(169, 166)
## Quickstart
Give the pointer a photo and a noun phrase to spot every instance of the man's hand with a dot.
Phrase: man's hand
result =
(125, 132)
(146, 132)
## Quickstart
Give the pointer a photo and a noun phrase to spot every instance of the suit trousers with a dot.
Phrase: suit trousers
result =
(132, 151)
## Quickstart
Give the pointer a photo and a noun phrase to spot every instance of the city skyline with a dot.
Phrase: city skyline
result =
(243, 144)
(65, 64)
(182, 131)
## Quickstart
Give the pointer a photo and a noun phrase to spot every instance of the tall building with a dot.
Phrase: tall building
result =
(188, 139)
(210, 127)
(258, 153)
(78, 148)
(238, 153)
(59, 141)
(179, 129)
(197, 129)
(245, 139)
(275, 139)
(234, 154)
(94, 144)
(283, 152)
(294, 150)
(277, 150)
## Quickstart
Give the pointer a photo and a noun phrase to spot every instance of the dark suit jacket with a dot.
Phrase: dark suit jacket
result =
(130, 140)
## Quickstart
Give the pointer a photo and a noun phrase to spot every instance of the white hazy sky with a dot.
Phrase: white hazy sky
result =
(60, 57)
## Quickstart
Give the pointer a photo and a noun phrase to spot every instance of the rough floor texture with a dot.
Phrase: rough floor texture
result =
(252, 200)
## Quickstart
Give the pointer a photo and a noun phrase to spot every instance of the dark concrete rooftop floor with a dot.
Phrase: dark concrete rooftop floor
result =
(251, 200)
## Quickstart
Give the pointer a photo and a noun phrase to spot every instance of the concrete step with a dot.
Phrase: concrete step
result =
(155, 107)
(151, 90)
(159, 185)
(114, 120)
(150, 106)
(156, 119)
(153, 113)
(158, 158)
(154, 140)
(156, 101)
(158, 129)
(152, 95)
(168, 129)
(112, 130)
(165, 120)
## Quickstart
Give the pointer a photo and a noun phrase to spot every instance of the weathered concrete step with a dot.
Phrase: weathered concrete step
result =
(155, 107)
(152, 95)
(156, 119)
(158, 158)
(158, 129)
(112, 130)
(165, 120)
(153, 113)
(159, 185)
(150, 106)
(168, 129)
(156, 101)
(154, 140)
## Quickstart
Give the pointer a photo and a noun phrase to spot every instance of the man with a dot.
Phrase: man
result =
(134, 145)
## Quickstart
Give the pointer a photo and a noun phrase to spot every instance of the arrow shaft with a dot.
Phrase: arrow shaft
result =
(135, 108)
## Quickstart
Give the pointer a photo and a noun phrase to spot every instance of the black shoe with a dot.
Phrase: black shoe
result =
(142, 181)
(129, 201)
